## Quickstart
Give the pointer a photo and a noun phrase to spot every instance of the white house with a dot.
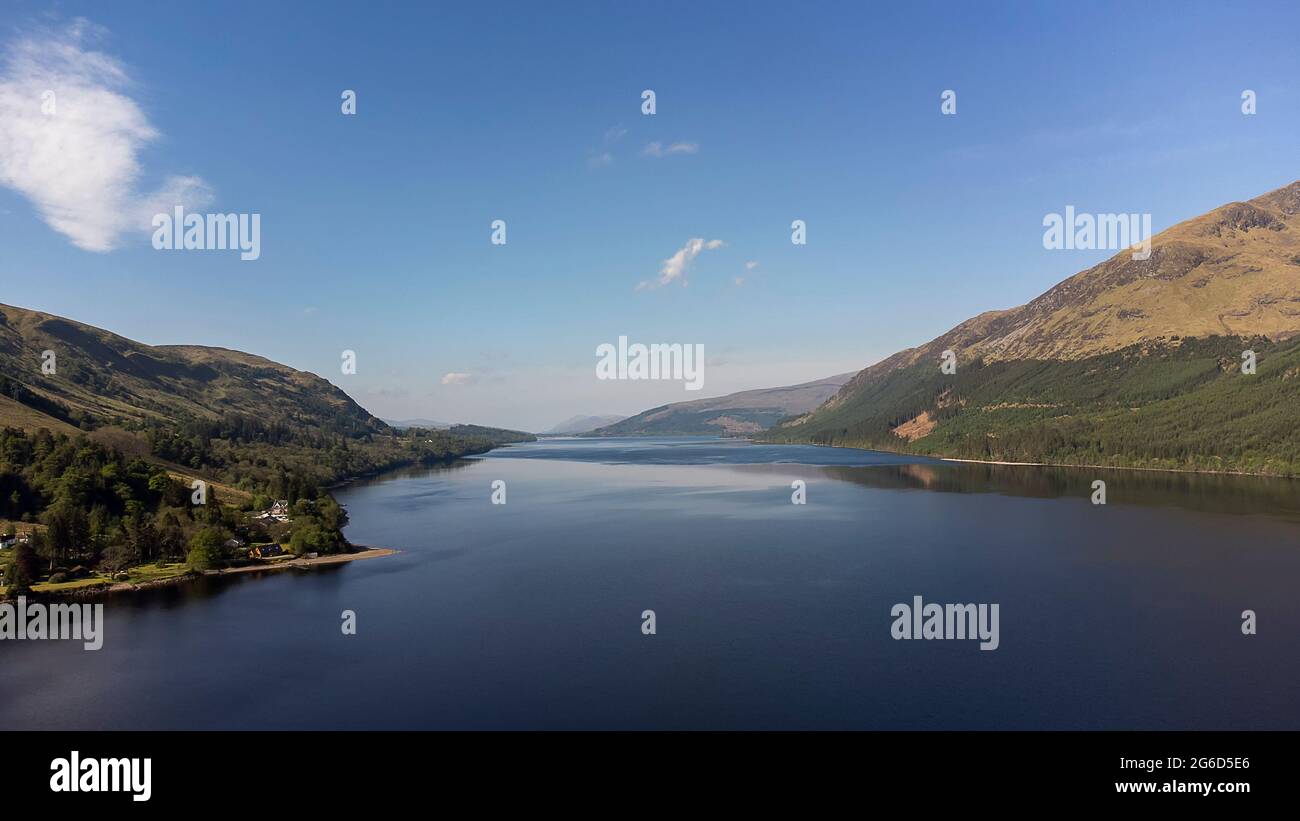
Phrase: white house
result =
(279, 512)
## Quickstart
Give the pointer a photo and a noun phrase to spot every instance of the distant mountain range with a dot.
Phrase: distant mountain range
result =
(736, 414)
(583, 424)
(1131, 362)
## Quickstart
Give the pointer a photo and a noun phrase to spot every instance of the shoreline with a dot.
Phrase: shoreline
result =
(103, 586)
(1037, 464)
(754, 440)
(185, 577)
(407, 464)
(1113, 467)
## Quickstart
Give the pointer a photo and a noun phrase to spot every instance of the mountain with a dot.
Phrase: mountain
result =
(740, 413)
(105, 378)
(228, 414)
(583, 424)
(101, 438)
(1131, 362)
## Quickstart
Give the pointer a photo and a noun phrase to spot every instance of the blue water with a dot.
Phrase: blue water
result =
(768, 614)
(694, 450)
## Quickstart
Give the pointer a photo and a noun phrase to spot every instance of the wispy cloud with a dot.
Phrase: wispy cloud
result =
(658, 149)
(70, 139)
(601, 157)
(1092, 137)
(456, 378)
(674, 268)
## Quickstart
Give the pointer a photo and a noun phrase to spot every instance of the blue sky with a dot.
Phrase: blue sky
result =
(375, 227)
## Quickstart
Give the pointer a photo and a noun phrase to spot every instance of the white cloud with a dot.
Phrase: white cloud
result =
(658, 149)
(78, 163)
(601, 158)
(674, 268)
(751, 265)
(456, 378)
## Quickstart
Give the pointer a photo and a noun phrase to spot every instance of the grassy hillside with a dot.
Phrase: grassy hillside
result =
(1184, 404)
(219, 414)
(110, 379)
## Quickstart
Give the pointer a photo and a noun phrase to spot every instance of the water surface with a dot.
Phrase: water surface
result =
(769, 614)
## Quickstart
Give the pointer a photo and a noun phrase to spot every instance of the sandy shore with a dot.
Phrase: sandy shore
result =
(336, 558)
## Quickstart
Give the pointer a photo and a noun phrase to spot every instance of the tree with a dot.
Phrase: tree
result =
(120, 554)
(212, 508)
(22, 571)
(67, 531)
(332, 514)
(100, 521)
(207, 549)
(307, 538)
(141, 534)
(171, 536)
(169, 491)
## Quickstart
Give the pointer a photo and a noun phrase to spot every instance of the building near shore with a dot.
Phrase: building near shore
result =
(265, 551)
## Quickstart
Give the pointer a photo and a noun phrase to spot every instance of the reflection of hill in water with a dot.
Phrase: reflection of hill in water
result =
(1204, 492)
(1210, 493)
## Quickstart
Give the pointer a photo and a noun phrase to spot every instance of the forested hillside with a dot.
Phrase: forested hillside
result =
(1184, 404)
(1133, 362)
(104, 443)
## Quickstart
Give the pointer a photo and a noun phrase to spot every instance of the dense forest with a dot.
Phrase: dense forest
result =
(291, 458)
(87, 508)
(99, 510)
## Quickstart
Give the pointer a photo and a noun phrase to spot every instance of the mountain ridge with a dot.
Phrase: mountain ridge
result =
(111, 378)
(216, 412)
(1022, 332)
(1049, 376)
(583, 423)
(743, 412)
